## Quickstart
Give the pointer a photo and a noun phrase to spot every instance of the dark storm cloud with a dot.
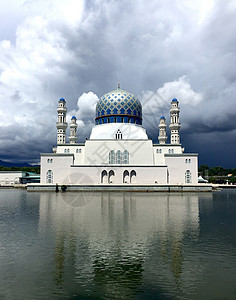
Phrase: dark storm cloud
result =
(79, 50)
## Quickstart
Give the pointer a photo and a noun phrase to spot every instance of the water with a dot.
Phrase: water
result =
(117, 245)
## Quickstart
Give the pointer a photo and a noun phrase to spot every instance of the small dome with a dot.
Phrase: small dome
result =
(119, 106)
(162, 117)
(62, 99)
(174, 100)
(73, 117)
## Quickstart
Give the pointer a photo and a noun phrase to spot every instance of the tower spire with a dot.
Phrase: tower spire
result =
(73, 130)
(162, 131)
(118, 84)
(61, 123)
(174, 122)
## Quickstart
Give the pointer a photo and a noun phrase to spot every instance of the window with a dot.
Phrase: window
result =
(49, 176)
(126, 157)
(78, 150)
(159, 151)
(111, 157)
(118, 157)
(188, 177)
(188, 161)
(118, 135)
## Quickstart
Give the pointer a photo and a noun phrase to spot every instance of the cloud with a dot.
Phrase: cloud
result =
(71, 48)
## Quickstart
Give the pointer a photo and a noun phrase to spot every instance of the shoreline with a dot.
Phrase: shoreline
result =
(121, 188)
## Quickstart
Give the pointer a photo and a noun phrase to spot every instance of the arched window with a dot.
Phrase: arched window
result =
(126, 176)
(126, 157)
(118, 135)
(188, 177)
(104, 176)
(49, 176)
(78, 150)
(133, 176)
(111, 177)
(118, 157)
(111, 157)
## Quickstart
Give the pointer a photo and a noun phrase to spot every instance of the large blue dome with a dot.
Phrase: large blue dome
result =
(118, 106)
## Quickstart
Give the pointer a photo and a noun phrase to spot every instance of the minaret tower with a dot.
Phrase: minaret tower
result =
(162, 131)
(174, 122)
(73, 130)
(61, 123)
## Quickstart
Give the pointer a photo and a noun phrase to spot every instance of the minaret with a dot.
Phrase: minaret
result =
(73, 130)
(162, 131)
(61, 123)
(174, 122)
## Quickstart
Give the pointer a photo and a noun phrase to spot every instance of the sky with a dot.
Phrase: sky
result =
(79, 50)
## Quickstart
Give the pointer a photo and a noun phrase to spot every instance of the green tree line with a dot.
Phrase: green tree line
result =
(217, 174)
(24, 169)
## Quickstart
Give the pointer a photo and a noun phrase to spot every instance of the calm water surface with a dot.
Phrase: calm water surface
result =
(117, 245)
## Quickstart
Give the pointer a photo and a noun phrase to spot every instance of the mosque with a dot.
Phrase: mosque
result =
(118, 151)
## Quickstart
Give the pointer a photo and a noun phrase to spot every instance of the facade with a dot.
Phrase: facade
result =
(119, 150)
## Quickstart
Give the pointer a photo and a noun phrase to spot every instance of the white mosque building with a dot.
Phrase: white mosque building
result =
(118, 151)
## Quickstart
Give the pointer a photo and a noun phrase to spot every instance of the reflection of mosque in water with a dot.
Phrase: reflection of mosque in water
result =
(118, 241)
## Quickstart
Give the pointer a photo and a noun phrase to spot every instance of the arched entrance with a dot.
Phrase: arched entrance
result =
(111, 178)
(126, 176)
(133, 176)
(104, 177)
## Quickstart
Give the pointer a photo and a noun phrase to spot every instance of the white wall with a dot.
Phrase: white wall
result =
(10, 177)
(76, 149)
(177, 168)
(93, 175)
(108, 131)
(140, 151)
(60, 166)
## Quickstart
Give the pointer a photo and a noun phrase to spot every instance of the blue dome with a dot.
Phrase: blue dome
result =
(174, 100)
(118, 106)
(162, 117)
(62, 99)
(73, 117)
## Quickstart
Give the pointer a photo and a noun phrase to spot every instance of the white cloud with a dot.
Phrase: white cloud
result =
(67, 48)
